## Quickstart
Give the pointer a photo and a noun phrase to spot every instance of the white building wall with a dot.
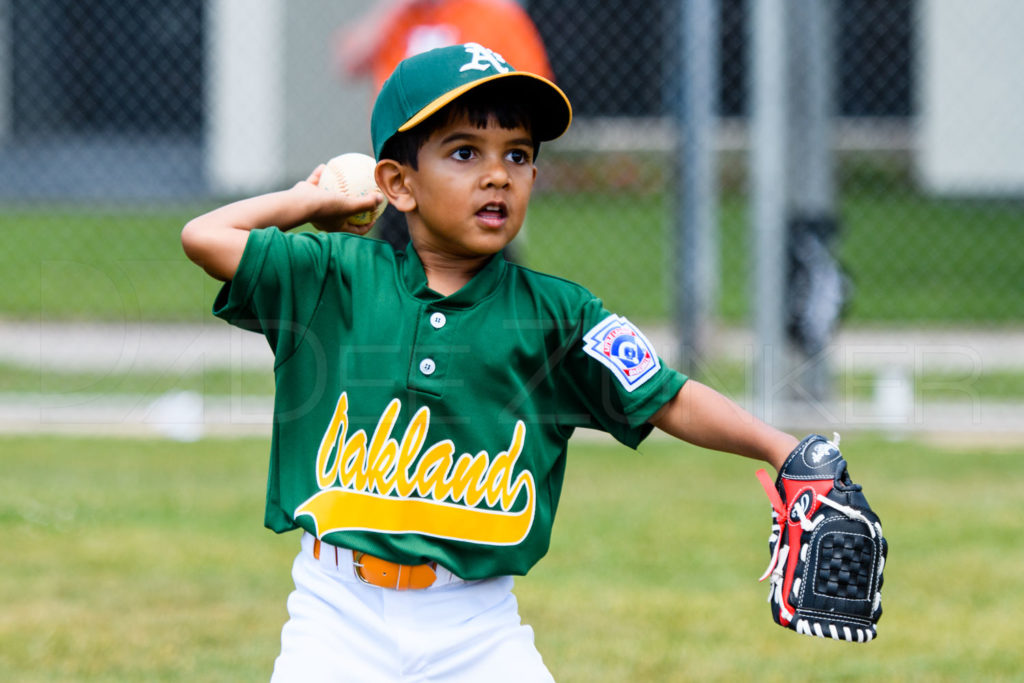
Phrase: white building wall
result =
(245, 95)
(275, 105)
(327, 114)
(971, 96)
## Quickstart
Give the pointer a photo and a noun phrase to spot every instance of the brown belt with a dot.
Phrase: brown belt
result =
(379, 572)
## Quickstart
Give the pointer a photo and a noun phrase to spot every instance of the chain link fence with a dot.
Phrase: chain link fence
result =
(119, 121)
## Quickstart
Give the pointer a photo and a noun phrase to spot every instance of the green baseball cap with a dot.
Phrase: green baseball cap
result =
(422, 84)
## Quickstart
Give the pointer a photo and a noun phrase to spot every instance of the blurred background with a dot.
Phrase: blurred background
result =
(816, 206)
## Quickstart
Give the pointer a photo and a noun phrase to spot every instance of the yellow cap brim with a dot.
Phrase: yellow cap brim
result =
(450, 96)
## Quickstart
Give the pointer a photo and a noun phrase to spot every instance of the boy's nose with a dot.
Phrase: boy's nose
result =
(495, 175)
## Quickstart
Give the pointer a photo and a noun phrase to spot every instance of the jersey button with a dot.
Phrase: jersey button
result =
(438, 320)
(427, 366)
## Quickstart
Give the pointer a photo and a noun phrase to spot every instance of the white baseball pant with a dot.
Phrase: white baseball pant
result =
(341, 629)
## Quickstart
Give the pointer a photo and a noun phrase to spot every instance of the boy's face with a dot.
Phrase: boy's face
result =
(471, 188)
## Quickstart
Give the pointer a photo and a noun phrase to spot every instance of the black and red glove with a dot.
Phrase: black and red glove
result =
(827, 548)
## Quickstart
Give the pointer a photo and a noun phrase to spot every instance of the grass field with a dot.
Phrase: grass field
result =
(145, 560)
(912, 259)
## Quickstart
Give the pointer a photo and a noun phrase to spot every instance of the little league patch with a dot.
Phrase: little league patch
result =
(623, 349)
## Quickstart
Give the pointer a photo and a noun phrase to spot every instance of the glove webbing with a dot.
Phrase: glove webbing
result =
(782, 511)
(782, 579)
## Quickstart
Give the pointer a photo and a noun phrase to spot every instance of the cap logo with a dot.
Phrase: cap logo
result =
(484, 59)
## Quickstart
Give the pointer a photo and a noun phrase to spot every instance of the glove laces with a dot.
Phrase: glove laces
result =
(807, 525)
(781, 511)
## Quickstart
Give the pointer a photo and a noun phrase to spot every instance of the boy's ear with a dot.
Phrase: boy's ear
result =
(391, 179)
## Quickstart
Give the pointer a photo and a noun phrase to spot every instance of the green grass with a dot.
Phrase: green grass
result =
(137, 560)
(912, 258)
(623, 261)
(917, 259)
(145, 560)
(211, 382)
(660, 550)
(735, 379)
(111, 264)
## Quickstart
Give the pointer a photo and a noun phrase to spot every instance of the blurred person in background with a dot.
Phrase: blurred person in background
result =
(374, 44)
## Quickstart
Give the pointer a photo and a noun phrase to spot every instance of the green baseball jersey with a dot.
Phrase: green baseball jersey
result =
(420, 427)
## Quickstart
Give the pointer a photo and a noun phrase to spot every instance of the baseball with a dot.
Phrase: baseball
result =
(352, 174)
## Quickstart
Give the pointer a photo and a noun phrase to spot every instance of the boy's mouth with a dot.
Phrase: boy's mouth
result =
(493, 214)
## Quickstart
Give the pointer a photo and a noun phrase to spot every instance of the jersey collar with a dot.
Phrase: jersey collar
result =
(482, 284)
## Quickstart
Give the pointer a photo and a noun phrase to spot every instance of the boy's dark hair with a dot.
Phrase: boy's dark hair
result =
(501, 101)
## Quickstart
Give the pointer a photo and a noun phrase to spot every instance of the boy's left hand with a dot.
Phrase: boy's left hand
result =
(827, 547)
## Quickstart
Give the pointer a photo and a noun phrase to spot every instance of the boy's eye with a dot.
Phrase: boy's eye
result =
(519, 156)
(463, 153)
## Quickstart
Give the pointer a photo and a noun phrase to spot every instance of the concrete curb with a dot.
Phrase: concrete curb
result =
(186, 416)
(894, 356)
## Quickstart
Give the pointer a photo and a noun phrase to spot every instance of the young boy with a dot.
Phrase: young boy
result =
(424, 399)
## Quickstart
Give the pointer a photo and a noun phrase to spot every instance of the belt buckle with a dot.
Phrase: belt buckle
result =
(357, 567)
(395, 576)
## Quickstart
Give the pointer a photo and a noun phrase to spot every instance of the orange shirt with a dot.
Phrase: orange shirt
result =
(501, 25)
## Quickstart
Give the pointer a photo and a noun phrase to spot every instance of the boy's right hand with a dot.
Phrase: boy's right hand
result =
(329, 211)
(216, 240)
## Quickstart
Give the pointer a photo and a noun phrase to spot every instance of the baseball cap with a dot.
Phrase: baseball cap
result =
(423, 84)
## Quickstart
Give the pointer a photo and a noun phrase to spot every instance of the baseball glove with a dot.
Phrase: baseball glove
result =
(827, 548)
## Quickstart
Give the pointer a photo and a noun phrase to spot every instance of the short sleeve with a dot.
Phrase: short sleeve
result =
(617, 374)
(277, 287)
